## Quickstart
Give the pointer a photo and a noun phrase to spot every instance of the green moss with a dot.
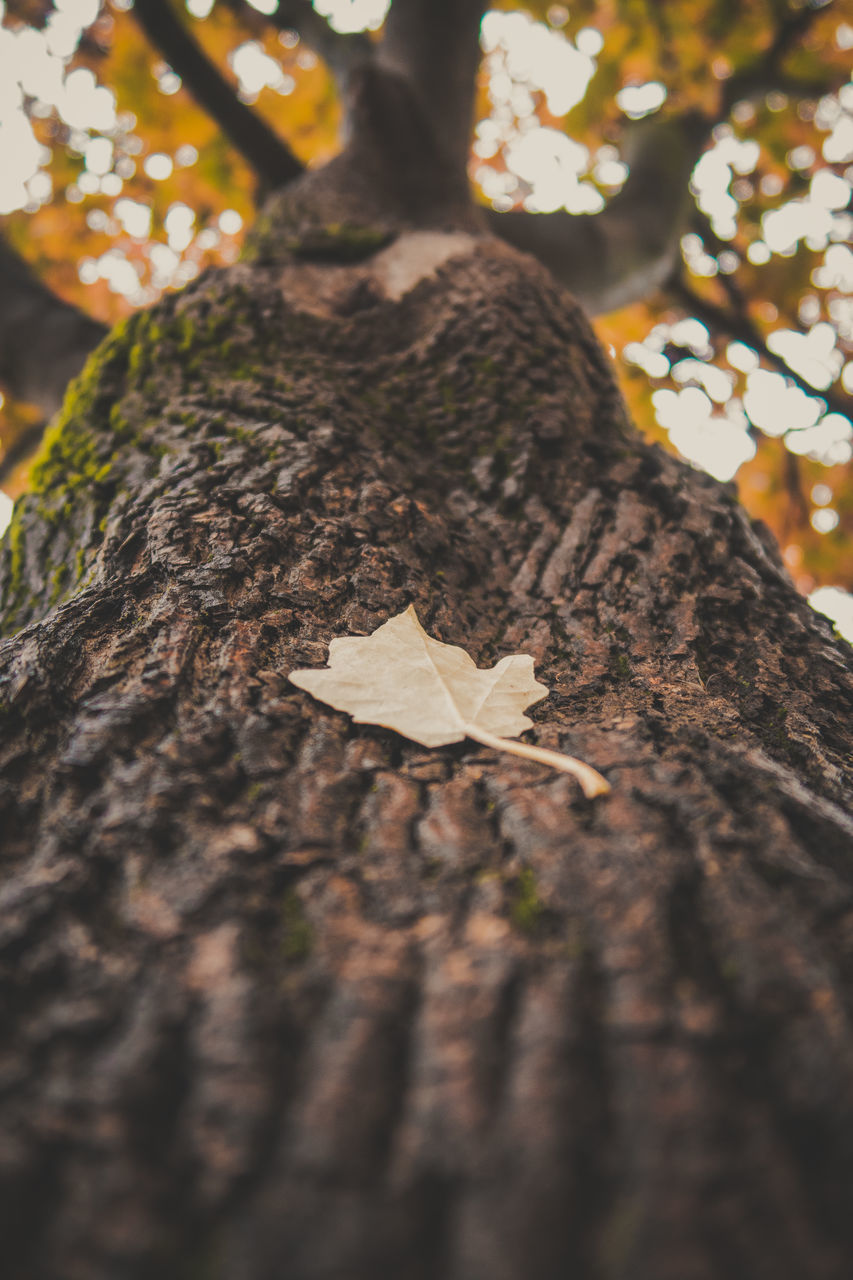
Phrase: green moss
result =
(237, 432)
(355, 238)
(72, 452)
(527, 907)
(142, 334)
(485, 875)
(485, 370)
(259, 239)
(84, 389)
(15, 543)
(57, 580)
(328, 241)
(118, 423)
(68, 457)
(298, 935)
(775, 725)
(338, 242)
(74, 469)
(185, 332)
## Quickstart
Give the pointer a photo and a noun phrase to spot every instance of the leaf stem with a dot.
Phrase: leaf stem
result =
(590, 780)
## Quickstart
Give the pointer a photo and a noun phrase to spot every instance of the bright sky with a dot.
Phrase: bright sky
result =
(708, 424)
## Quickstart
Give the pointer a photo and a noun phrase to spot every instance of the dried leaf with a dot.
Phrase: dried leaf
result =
(401, 678)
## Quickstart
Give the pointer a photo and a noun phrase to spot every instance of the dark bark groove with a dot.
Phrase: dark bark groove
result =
(287, 997)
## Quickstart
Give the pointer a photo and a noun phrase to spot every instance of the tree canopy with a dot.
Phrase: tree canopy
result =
(697, 156)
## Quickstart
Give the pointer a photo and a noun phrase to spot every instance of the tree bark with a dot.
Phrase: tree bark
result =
(289, 997)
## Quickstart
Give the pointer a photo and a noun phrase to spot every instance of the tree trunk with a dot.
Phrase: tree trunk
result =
(292, 999)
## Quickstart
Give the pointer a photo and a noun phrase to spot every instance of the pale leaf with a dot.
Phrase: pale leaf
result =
(402, 679)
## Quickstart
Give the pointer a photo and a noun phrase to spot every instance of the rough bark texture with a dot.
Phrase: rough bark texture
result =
(290, 998)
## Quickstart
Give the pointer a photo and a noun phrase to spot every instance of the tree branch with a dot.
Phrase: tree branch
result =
(616, 257)
(341, 53)
(740, 327)
(270, 158)
(43, 340)
(766, 72)
(435, 46)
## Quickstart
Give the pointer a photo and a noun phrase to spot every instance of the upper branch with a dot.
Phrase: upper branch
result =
(618, 256)
(435, 46)
(340, 52)
(271, 159)
(739, 325)
(43, 340)
(766, 72)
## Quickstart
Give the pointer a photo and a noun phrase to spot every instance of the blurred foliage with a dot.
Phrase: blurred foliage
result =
(768, 72)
